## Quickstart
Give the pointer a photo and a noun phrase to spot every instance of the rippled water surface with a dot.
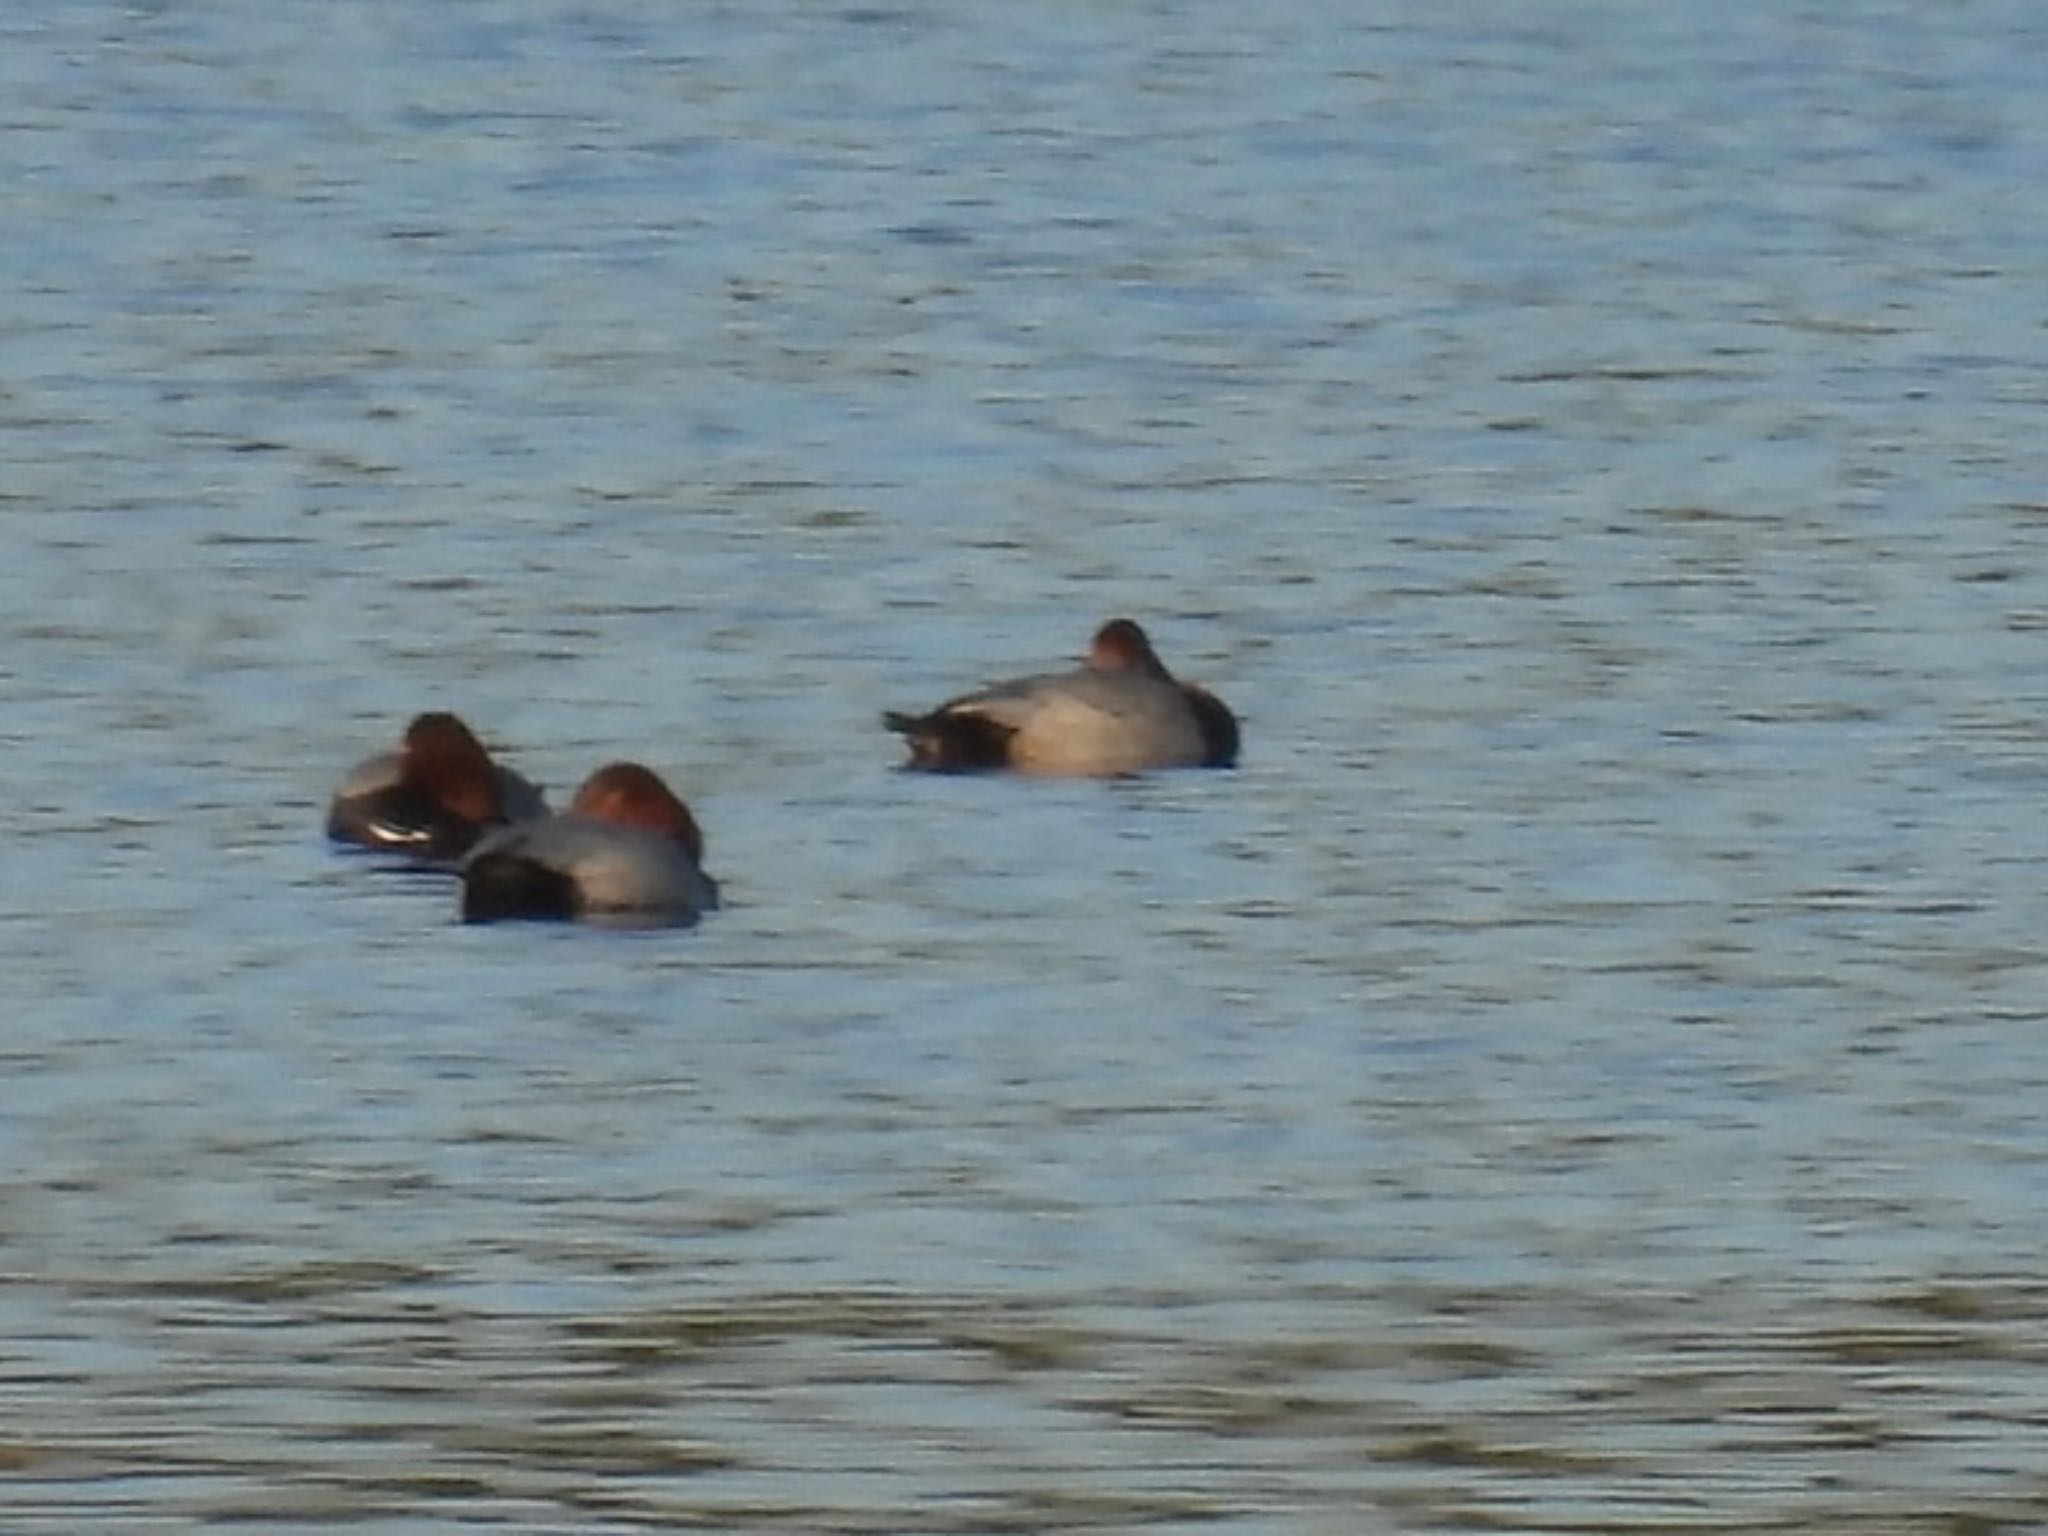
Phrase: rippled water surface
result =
(1584, 1073)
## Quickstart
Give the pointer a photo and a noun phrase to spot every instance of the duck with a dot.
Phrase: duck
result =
(627, 849)
(1120, 712)
(433, 797)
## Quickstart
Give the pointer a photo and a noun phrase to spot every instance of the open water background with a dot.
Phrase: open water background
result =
(1583, 1074)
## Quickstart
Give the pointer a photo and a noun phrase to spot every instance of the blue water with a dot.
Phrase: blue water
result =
(1582, 1074)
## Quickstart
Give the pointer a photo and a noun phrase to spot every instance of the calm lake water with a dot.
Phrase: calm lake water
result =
(1584, 1073)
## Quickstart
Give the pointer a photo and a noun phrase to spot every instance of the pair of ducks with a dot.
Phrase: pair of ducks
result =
(628, 847)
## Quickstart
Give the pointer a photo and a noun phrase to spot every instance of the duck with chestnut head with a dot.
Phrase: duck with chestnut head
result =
(433, 797)
(1119, 712)
(627, 850)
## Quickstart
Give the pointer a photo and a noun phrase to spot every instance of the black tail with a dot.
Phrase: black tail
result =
(948, 742)
(501, 886)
